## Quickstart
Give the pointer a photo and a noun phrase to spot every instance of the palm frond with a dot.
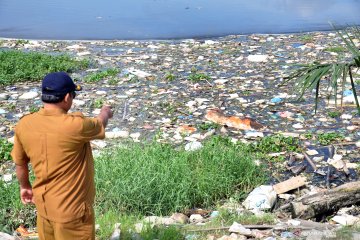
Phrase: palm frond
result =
(308, 78)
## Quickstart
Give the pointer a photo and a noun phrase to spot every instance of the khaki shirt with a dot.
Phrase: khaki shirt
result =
(57, 145)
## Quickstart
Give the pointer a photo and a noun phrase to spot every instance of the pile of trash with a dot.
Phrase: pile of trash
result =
(186, 91)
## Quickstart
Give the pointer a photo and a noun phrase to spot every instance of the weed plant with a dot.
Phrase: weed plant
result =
(196, 77)
(5, 149)
(17, 66)
(334, 114)
(96, 77)
(157, 179)
(328, 138)
(205, 126)
(276, 143)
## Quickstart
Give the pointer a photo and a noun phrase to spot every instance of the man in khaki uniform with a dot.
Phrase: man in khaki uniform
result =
(57, 144)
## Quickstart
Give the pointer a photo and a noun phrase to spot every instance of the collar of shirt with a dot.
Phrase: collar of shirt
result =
(52, 111)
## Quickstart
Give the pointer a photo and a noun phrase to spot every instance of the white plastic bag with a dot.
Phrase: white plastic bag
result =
(262, 197)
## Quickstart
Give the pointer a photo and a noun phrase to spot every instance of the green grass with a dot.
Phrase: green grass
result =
(328, 138)
(157, 179)
(12, 211)
(17, 66)
(108, 220)
(5, 149)
(226, 218)
(98, 76)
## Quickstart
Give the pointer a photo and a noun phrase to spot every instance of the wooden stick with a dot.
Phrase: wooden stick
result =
(254, 227)
(312, 164)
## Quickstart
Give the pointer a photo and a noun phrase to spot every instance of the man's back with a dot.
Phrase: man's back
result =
(57, 145)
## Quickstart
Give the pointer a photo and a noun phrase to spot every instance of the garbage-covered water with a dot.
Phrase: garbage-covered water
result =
(169, 19)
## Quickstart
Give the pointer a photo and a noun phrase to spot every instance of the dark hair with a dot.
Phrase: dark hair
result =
(49, 98)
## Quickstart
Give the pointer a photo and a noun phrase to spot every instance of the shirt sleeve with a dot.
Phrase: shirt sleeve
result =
(18, 153)
(92, 129)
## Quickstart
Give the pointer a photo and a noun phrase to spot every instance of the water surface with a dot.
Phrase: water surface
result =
(169, 19)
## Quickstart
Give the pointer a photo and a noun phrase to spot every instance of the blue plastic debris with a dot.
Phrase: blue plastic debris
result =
(214, 214)
(276, 100)
(348, 93)
(296, 45)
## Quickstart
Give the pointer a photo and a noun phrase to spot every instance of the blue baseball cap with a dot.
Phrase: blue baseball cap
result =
(58, 83)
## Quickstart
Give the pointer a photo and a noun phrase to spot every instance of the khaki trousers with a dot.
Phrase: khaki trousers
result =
(78, 229)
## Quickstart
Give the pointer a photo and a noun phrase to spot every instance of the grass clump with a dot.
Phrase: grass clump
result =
(17, 66)
(328, 138)
(98, 76)
(5, 150)
(12, 211)
(156, 179)
(276, 143)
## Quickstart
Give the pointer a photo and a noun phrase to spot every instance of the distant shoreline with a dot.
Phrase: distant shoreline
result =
(174, 39)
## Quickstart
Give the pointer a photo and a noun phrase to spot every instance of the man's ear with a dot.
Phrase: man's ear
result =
(67, 97)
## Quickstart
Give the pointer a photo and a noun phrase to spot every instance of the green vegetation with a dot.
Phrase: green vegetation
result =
(328, 138)
(208, 125)
(226, 218)
(17, 66)
(21, 42)
(5, 149)
(163, 233)
(168, 107)
(157, 179)
(12, 211)
(98, 103)
(246, 92)
(170, 76)
(33, 108)
(334, 114)
(276, 143)
(196, 77)
(98, 76)
(338, 49)
(307, 38)
(308, 135)
(346, 232)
